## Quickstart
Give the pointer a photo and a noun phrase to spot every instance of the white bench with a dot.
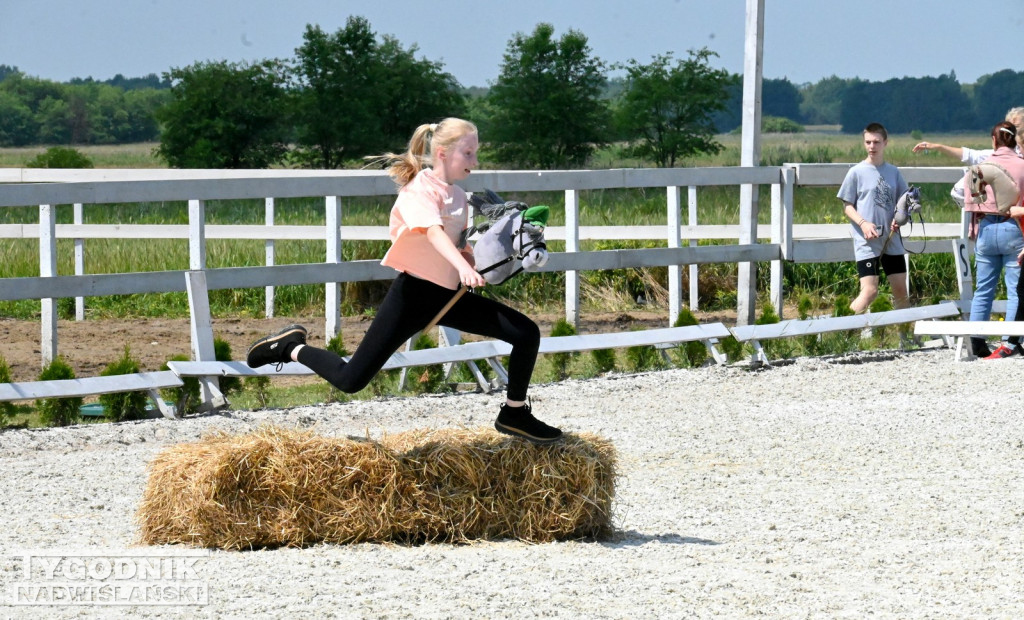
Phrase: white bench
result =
(150, 382)
(754, 334)
(965, 329)
(489, 350)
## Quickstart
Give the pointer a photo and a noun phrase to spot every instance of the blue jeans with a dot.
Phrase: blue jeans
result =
(996, 250)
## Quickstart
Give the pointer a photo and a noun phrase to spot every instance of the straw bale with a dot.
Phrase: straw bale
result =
(279, 486)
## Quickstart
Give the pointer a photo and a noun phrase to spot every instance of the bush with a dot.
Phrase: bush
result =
(59, 157)
(732, 348)
(560, 361)
(778, 124)
(123, 405)
(778, 348)
(690, 354)
(58, 411)
(604, 360)
(222, 353)
(426, 379)
(7, 409)
(186, 397)
(643, 357)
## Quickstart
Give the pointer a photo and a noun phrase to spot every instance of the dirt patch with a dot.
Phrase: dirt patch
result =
(92, 344)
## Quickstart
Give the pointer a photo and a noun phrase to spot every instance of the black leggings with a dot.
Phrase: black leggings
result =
(1020, 310)
(407, 308)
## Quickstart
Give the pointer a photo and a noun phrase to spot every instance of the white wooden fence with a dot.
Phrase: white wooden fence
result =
(94, 188)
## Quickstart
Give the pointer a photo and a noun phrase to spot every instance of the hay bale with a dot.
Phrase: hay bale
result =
(477, 484)
(278, 487)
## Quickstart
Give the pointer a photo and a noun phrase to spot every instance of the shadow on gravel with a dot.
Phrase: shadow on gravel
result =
(633, 538)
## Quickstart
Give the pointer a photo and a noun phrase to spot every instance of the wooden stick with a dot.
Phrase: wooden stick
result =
(448, 306)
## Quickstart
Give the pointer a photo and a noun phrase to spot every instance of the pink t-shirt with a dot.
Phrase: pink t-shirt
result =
(424, 202)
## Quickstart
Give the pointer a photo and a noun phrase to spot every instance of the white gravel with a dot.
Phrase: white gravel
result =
(876, 484)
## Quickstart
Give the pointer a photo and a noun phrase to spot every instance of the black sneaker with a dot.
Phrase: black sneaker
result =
(519, 422)
(980, 348)
(274, 349)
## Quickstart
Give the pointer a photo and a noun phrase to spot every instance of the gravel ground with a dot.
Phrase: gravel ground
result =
(875, 484)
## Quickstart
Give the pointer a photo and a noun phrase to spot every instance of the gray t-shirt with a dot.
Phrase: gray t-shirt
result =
(874, 190)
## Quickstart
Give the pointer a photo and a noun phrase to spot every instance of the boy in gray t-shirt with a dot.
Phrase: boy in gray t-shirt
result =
(869, 194)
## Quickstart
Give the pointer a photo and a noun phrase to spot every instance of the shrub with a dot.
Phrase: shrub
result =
(778, 124)
(222, 353)
(58, 411)
(7, 409)
(691, 354)
(732, 348)
(123, 405)
(186, 397)
(426, 379)
(560, 361)
(643, 357)
(604, 360)
(777, 348)
(59, 157)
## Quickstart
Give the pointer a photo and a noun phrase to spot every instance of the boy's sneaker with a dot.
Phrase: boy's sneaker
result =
(1005, 351)
(519, 422)
(275, 349)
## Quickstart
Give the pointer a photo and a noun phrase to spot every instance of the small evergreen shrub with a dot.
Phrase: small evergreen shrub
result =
(426, 379)
(689, 354)
(58, 411)
(642, 358)
(7, 409)
(776, 348)
(604, 360)
(560, 361)
(732, 348)
(222, 353)
(123, 405)
(186, 397)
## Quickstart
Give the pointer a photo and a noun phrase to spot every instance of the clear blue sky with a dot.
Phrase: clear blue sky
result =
(805, 40)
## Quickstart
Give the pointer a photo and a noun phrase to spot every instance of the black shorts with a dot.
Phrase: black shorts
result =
(891, 264)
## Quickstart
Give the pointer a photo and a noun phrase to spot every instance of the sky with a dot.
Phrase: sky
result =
(805, 40)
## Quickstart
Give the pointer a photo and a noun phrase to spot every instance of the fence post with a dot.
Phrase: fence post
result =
(675, 276)
(269, 248)
(196, 235)
(691, 220)
(750, 155)
(47, 269)
(332, 290)
(79, 263)
(775, 277)
(572, 244)
(203, 349)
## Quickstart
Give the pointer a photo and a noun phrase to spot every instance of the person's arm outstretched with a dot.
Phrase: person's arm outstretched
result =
(952, 151)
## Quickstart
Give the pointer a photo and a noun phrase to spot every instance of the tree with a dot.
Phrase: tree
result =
(670, 108)
(225, 115)
(335, 104)
(437, 93)
(359, 97)
(929, 104)
(546, 106)
(822, 100)
(996, 93)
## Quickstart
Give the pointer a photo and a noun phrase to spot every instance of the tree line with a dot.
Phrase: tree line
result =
(352, 93)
